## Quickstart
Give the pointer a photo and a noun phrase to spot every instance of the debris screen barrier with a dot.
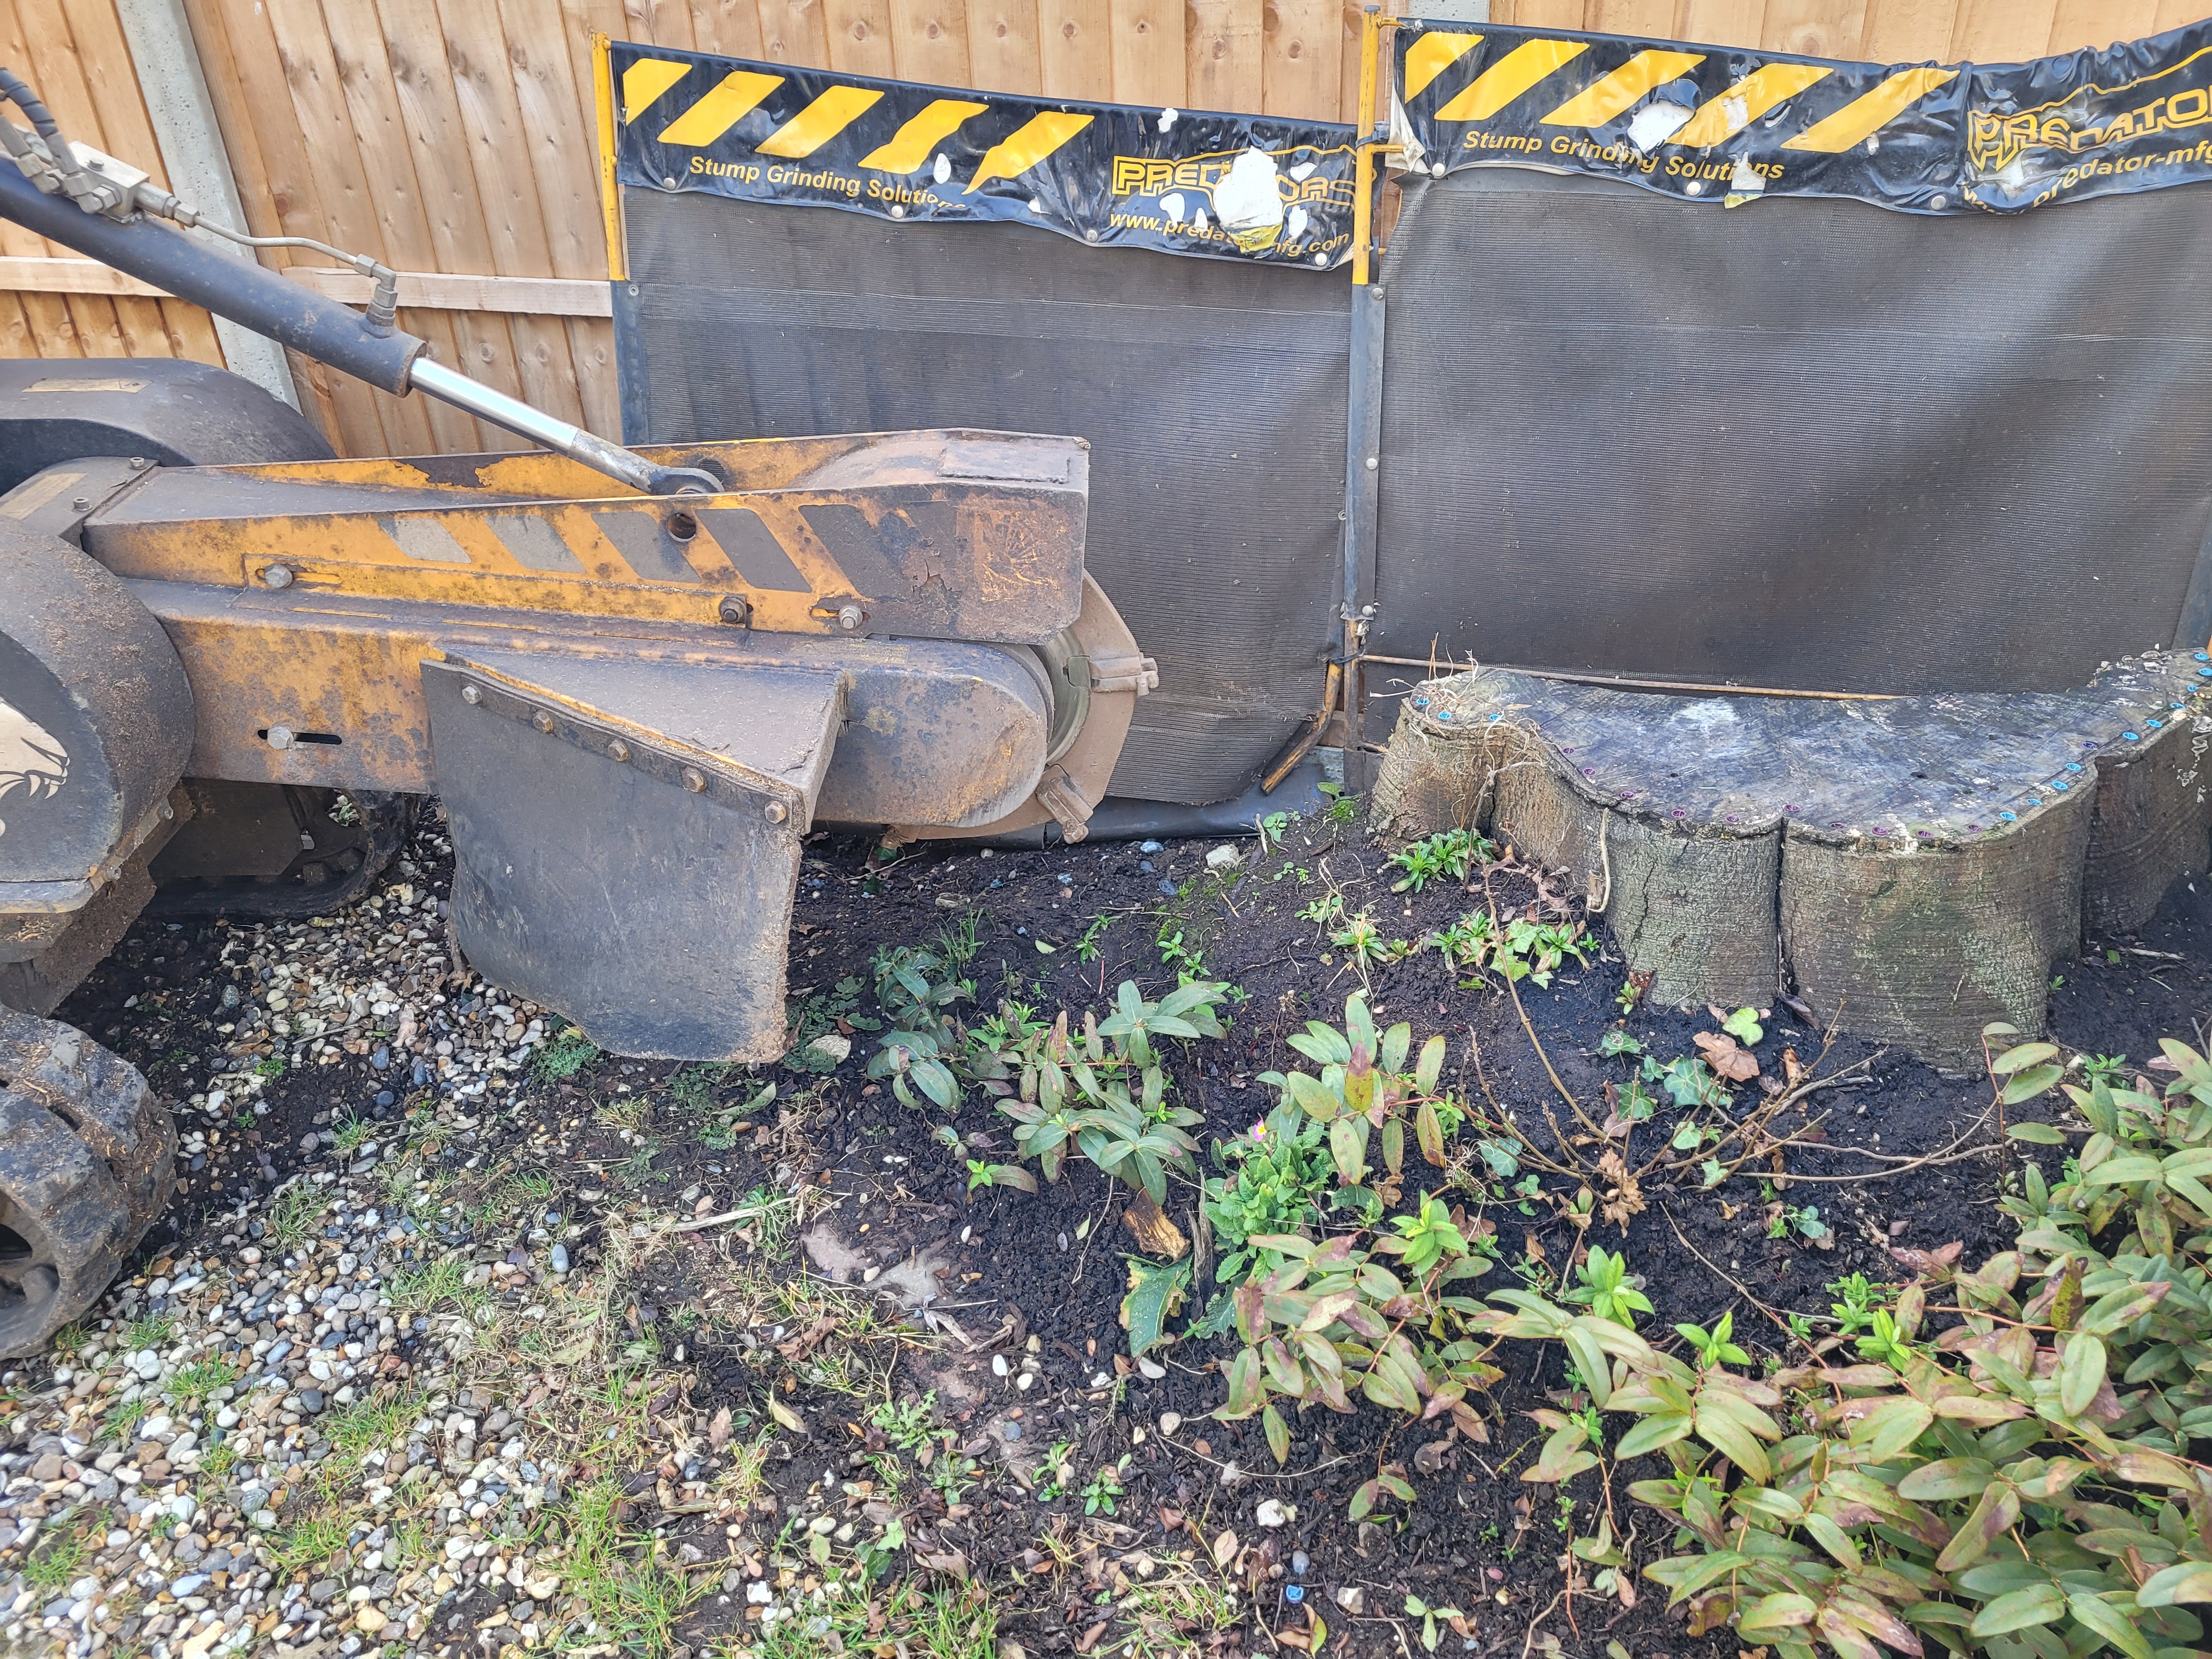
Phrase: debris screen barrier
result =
(1702, 364)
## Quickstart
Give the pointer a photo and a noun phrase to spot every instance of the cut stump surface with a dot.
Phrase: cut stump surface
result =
(1910, 866)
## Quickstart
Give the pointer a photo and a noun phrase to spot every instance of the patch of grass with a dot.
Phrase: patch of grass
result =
(71, 1338)
(149, 1333)
(635, 1602)
(350, 1131)
(421, 1290)
(192, 1387)
(120, 1425)
(217, 1461)
(293, 1215)
(55, 1561)
(565, 1056)
(308, 1542)
(367, 1424)
(941, 1624)
(958, 943)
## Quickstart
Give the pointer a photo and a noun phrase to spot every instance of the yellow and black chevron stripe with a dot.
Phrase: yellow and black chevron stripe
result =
(1708, 120)
(682, 121)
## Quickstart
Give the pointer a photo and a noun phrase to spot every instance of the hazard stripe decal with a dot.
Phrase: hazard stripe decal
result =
(1036, 139)
(1863, 118)
(912, 145)
(819, 122)
(1530, 62)
(1431, 55)
(645, 81)
(1755, 95)
(738, 95)
(1624, 88)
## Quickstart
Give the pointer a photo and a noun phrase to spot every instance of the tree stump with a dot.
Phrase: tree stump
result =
(1911, 867)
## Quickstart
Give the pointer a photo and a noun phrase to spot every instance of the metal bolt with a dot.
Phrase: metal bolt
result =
(470, 695)
(82, 504)
(848, 617)
(277, 575)
(671, 183)
(542, 720)
(619, 750)
(1374, 461)
(734, 610)
(139, 462)
(776, 811)
(694, 778)
(279, 737)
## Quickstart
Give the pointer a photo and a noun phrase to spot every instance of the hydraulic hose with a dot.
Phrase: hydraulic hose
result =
(18, 92)
(247, 293)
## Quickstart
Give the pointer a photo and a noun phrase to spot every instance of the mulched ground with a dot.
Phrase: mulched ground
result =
(1041, 1277)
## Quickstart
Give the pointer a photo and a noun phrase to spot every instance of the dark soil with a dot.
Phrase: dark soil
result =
(1060, 929)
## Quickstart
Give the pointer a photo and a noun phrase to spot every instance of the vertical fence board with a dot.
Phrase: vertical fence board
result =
(1075, 58)
(1815, 28)
(2002, 31)
(1303, 58)
(2080, 23)
(1223, 69)
(1002, 46)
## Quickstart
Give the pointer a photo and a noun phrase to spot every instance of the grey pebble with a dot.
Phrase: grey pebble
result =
(559, 1258)
(311, 1400)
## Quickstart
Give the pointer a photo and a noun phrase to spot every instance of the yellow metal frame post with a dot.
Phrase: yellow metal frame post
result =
(1363, 197)
(603, 90)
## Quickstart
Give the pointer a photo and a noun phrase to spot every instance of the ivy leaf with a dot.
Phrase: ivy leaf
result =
(1155, 1289)
(1743, 1025)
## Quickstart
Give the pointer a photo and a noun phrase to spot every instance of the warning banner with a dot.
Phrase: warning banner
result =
(1249, 187)
(1726, 125)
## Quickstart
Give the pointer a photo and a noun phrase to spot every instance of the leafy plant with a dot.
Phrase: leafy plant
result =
(1519, 949)
(1429, 1236)
(1448, 854)
(916, 995)
(1360, 940)
(570, 1053)
(1335, 1318)
(818, 1015)
(1715, 1348)
(2107, 1069)
(1100, 1496)
(1103, 1093)
(1277, 1173)
(2021, 1488)
(1323, 912)
(1743, 1025)
(1452, 1618)
(1364, 1087)
(1604, 1289)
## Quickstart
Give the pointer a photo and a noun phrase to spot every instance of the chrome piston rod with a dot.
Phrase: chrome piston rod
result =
(436, 381)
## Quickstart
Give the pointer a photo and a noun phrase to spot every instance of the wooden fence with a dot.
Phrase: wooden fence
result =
(455, 137)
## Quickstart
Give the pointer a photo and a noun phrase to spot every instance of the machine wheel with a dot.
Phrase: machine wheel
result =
(87, 1160)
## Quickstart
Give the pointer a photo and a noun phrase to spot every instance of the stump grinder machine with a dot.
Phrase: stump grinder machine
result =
(231, 664)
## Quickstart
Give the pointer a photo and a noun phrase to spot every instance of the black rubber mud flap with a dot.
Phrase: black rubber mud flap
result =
(626, 837)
